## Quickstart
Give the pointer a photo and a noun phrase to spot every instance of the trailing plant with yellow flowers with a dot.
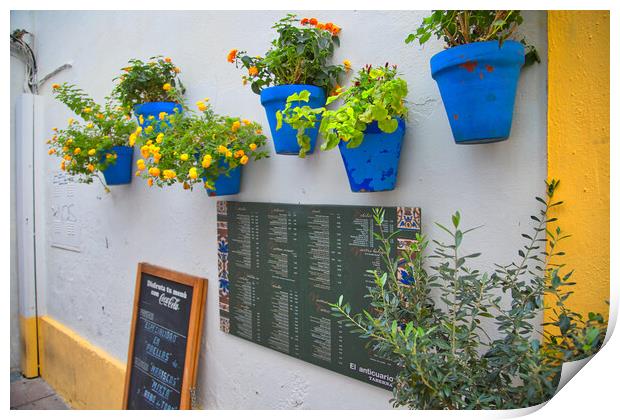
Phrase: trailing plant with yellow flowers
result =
(300, 54)
(153, 81)
(376, 95)
(197, 148)
(86, 146)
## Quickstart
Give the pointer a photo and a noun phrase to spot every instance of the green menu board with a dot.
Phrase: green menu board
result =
(281, 264)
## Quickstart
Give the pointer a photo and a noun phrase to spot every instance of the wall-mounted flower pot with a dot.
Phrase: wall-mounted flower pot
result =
(274, 100)
(373, 165)
(227, 185)
(153, 109)
(478, 85)
(119, 172)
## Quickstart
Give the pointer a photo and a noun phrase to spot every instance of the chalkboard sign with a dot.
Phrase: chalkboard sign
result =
(281, 264)
(165, 339)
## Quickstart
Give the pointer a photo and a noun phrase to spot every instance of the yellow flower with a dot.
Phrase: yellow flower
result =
(243, 160)
(138, 130)
(184, 157)
(167, 87)
(159, 138)
(229, 154)
(162, 115)
(92, 152)
(132, 139)
(235, 126)
(193, 173)
(70, 121)
(201, 105)
(206, 161)
(154, 171)
(347, 65)
(138, 173)
(65, 149)
(55, 128)
(253, 71)
(51, 151)
(89, 125)
(145, 151)
(169, 174)
(253, 146)
(67, 158)
(140, 164)
(77, 151)
(206, 99)
(69, 141)
(208, 185)
(87, 110)
(148, 129)
(141, 119)
(91, 167)
(239, 153)
(246, 122)
(222, 149)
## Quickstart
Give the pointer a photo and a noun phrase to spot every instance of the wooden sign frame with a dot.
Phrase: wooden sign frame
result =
(194, 332)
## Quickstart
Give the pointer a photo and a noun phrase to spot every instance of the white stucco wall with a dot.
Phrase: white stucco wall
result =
(92, 291)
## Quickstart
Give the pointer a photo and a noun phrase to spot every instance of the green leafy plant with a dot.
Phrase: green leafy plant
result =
(86, 147)
(459, 27)
(197, 148)
(439, 326)
(300, 54)
(376, 95)
(153, 81)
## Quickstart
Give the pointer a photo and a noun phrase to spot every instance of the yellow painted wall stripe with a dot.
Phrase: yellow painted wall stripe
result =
(578, 147)
(29, 359)
(84, 375)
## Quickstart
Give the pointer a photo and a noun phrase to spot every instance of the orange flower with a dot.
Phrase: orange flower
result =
(335, 30)
(243, 160)
(235, 126)
(253, 71)
(177, 70)
(232, 55)
(55, 86)
(305, 21)
(168, 60)
(320, 26)
(313, 21)
(150, 182)
(336, 90)
(329, 26)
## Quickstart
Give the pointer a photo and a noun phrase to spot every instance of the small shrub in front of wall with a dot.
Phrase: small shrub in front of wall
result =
(198, 148)
(153, 81)
(86, 147)
(443, 346)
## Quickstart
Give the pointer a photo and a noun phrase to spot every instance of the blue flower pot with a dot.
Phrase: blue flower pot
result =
(478, 85)
(227, 185)
(373, 165)
(119, 173)
(148, 109)
(274, 100)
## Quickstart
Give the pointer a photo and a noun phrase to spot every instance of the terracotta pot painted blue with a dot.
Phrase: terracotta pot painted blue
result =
(373, 165)
(119, 173)
(153, 109)
(227, 185)
(478, 85)
(274, 100)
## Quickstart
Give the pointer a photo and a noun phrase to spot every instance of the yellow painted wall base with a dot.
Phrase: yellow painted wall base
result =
(578, 148)
(29, 355)
(83, 374)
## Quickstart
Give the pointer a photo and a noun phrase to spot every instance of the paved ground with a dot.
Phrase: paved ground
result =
(34, 394)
